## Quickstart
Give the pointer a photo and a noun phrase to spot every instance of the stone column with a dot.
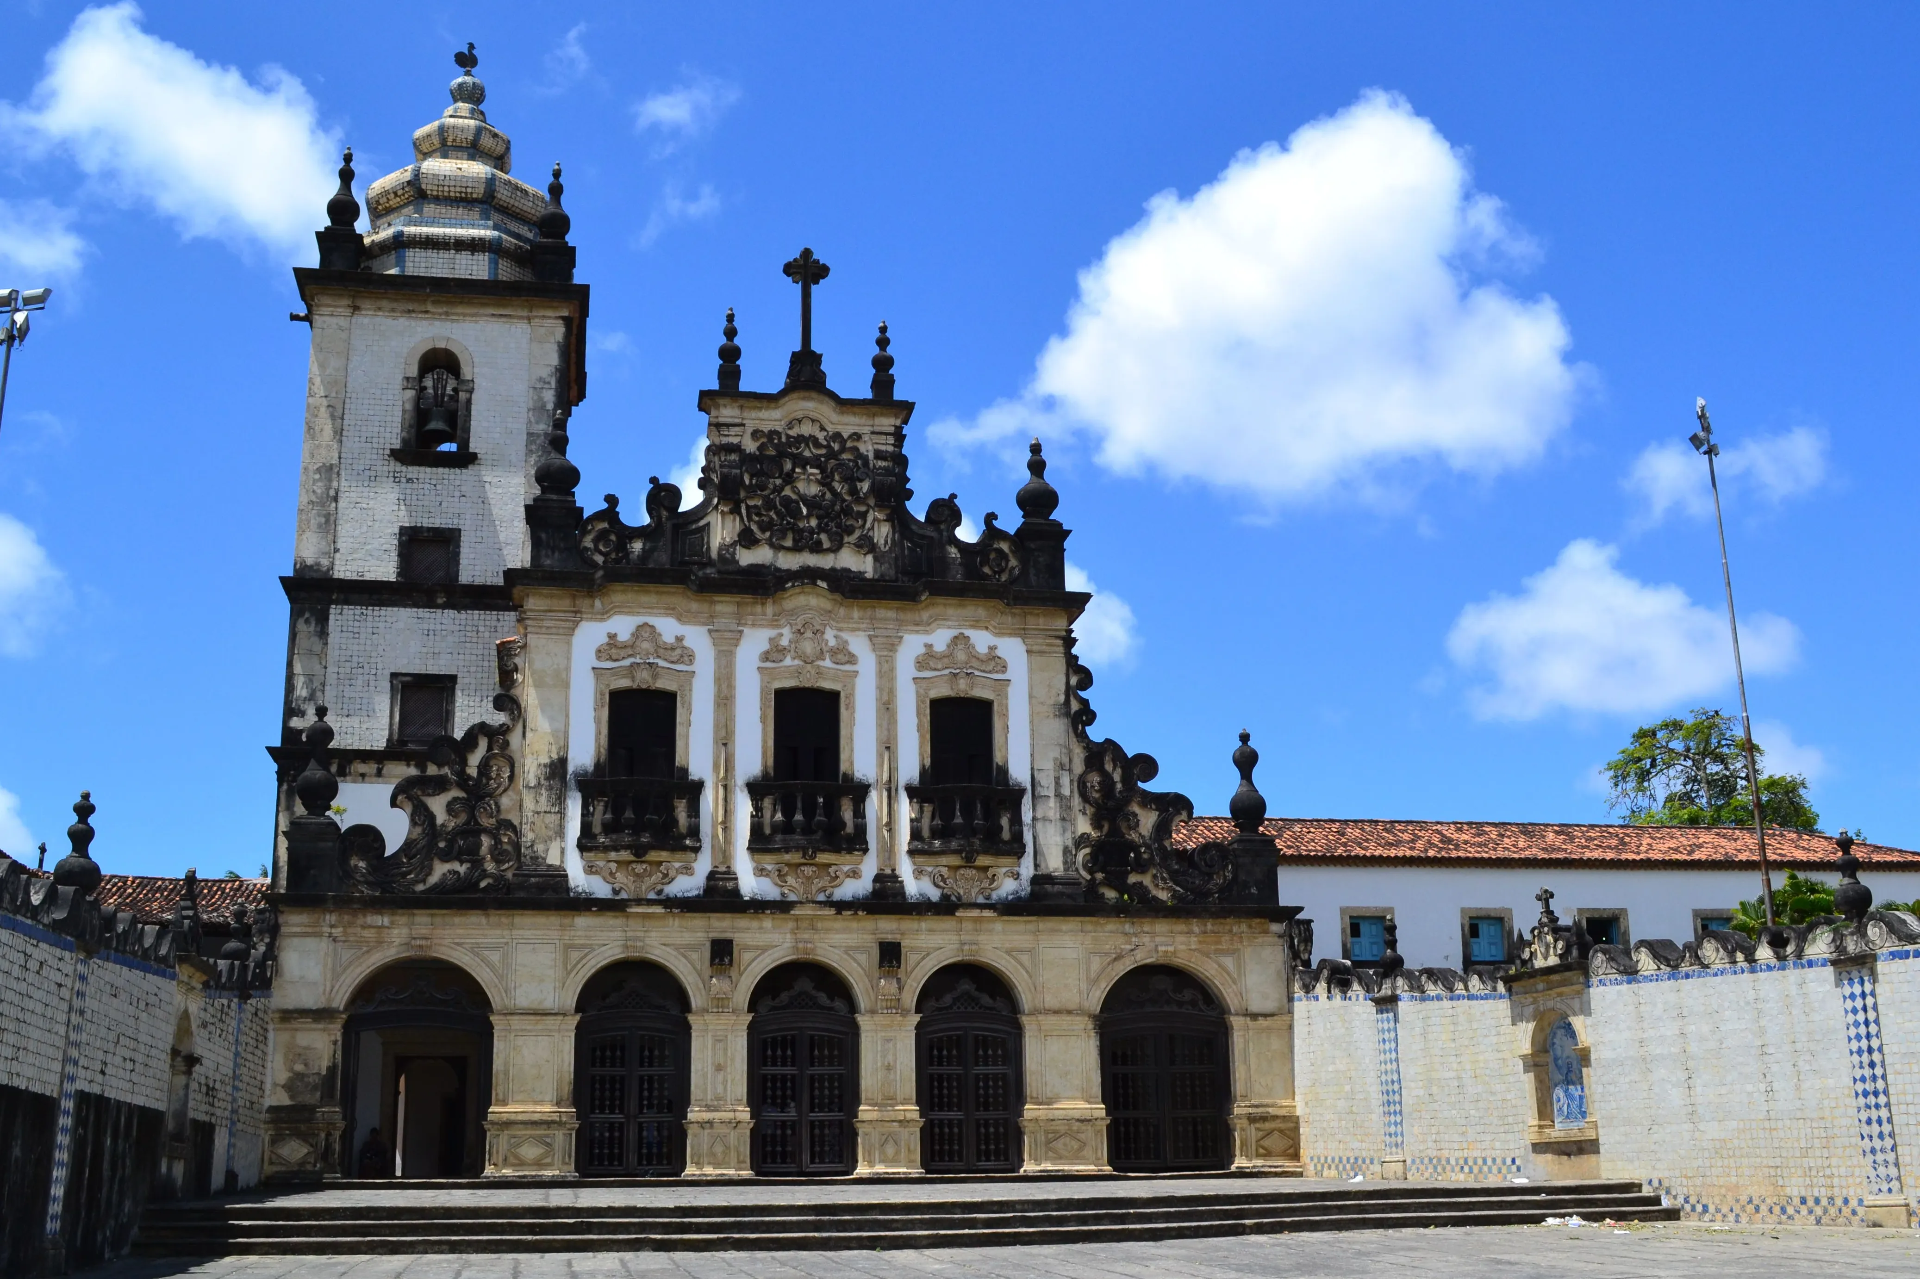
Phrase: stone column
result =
(887, 884)
(723, 879)
(888, 1122)
(545, 674)
(532, 1121)
(1064, 1122)
(1056, 875)
(719, 1119)
(303, 1122)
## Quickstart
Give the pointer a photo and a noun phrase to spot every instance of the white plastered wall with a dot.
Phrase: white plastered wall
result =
(1427, 900)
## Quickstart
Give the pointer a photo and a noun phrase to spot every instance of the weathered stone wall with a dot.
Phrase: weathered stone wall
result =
(1747, 1084)
(367, 645)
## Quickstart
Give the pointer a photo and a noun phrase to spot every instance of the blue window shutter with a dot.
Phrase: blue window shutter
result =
(1368, 937)
(1487, 940)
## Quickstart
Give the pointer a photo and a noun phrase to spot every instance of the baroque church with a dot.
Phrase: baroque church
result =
(761, 831)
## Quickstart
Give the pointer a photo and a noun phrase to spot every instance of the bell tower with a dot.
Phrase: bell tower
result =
(446, 342)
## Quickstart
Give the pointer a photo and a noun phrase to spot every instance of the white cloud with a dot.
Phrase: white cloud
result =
(1313, 320)
(1583, 636)
(15, 838)
(567, 61)
(675, 207)
(685, 111)
(37, 240)
(32, 590)
(1672, 477)
(688, 475)
(1784, 754)
(153, 124)
(1105, 631)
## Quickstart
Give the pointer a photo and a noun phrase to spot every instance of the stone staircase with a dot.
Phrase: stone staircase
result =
(495, 1219)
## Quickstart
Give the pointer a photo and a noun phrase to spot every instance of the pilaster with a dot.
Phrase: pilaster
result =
(1064, 1123)
(888, 1121)
(1055, 875)
(719, 1121)
(1265, 1118)
(303, 1122)
(723, 878)
(531, 1123)
(546, 669)
(887, 884)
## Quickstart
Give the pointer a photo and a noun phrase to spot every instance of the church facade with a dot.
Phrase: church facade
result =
(762, 832)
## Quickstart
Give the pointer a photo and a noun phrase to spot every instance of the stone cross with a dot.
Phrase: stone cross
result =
(806, 271)
(1545, 898)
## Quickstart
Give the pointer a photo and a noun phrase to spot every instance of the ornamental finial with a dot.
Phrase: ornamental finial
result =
(343, 210)
(729, 355)
(1037, 498)
(882, 365)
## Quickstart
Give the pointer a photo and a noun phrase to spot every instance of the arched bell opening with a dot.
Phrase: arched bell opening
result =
(967, 1048)
(417, 1073)
(1163, 1073)
(631, 1060)
(803, 1073)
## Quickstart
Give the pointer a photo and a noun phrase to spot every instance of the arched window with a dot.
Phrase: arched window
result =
(803, 1073)
(967, 1045)
(1163, 1073)
(439, 400)
(631, 1055)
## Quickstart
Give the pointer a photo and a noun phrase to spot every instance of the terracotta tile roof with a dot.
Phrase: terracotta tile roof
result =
(152, 897)
(1307, 841)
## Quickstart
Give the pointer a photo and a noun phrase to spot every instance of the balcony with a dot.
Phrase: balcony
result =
(808, 816)
(808, 838)
(965, 819)
(639, 833)
(965, 839)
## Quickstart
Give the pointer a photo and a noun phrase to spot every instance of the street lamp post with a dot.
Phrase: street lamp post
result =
(1702, 441)
(17, 303)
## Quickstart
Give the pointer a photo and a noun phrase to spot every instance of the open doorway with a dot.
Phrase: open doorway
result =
(418, 1053)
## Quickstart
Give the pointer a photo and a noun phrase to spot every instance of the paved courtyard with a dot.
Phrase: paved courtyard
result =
(1512, 1252)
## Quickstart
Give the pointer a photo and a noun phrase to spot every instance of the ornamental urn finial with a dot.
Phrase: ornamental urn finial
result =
(557, 475)
(1851, 898)
(1036, 498)
(729, 355)
(343, 210)
(1248, 808)
(882, 365)
(554, 223)
(316, 785)
(77, 870)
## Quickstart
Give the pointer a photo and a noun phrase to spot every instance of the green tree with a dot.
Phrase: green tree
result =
(1693, 772)
(1796, 901)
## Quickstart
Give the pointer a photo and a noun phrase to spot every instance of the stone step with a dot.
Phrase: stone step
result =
(207, 1230)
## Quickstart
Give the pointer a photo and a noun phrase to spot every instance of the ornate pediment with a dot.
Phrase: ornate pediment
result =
(961, 655)
(810, 645)
(646, 644)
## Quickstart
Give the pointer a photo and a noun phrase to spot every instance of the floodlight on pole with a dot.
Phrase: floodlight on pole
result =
(15, 304)
(1702, 441)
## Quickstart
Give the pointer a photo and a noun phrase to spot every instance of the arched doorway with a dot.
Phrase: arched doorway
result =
(1163, 1073)
(417, 1074)
(803, 1073)
(967, 1050)
(630, 1057)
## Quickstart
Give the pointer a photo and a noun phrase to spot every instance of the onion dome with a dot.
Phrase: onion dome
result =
(455, 211)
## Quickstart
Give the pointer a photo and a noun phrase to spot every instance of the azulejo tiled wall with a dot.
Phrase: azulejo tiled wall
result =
(1746, 1084)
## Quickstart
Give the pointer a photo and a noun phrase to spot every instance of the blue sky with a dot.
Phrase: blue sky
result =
(1364, 338)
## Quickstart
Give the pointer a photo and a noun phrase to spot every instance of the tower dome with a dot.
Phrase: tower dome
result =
(456, 211)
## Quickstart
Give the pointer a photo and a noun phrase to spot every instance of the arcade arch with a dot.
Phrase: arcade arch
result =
(1164, 1073)
(632, 1075)
(967, 1048)
(803, 1073)
(417, 1072)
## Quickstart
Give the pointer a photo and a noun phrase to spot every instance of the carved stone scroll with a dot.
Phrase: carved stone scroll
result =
(806, 488)
(967, 883)
(645, 644)
(961, 655)
(634, 877)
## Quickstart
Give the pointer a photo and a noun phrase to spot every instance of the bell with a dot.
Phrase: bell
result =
(440, 429)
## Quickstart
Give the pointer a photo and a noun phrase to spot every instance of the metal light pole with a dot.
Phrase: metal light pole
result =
(1702, 441)
(14, 332)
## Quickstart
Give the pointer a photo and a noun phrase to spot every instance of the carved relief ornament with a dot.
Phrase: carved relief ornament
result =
(967, 883)
(806, 488)
(646, 644)
(961, 655)
(808, 880)
(635, 877)
(811, 644)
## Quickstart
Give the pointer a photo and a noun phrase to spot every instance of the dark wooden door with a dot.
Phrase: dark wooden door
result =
(805, 1091)
(970, 1095)
(1164, 1075)
(632, 1096)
